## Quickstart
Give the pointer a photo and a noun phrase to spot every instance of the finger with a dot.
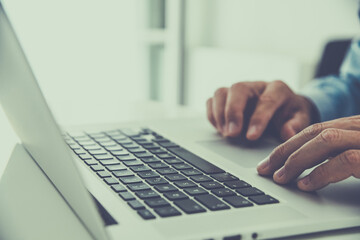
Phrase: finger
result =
(210, 114)
(219, 102)
(273, 97)
(337, 169)
(294, 125)
(315, 151)
(280, 154)
(278, 157)
(236, 103)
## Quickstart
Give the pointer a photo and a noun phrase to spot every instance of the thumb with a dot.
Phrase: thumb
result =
(294, 125)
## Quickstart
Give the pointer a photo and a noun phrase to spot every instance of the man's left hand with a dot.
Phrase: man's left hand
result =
(335, 145)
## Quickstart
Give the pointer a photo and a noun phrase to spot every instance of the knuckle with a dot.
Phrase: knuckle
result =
(330, 135)
(268, 99)
(351, 158)
(322, 172)
(278, 153)
(280, 84)
(239, 87)
(220, 92)
(313, 130)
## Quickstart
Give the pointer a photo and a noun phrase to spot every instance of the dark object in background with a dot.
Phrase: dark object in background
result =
(332, 58)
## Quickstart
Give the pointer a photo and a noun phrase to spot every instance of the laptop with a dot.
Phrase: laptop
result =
(165, 179)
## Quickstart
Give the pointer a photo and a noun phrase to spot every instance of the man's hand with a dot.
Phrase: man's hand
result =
(334, 144)
(272, 102)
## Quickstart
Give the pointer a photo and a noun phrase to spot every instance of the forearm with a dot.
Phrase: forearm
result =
(334, 97)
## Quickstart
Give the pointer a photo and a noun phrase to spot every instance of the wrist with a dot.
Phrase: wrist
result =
(313, 111)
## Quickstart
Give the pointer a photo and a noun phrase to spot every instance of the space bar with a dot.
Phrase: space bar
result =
(198, 162)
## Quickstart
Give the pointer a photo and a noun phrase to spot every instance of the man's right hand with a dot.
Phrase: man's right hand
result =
(272, 102)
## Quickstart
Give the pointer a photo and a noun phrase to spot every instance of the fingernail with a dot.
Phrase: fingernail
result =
(305, 181)
(252, 131)
(263, 164)
(280, 174)
(231, 128)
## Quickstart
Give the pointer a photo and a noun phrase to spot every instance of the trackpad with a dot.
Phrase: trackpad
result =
(246, 154)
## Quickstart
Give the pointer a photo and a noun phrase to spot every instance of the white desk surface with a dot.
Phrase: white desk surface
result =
(144, 110)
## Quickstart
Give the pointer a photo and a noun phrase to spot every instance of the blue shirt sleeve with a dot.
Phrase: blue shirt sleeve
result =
(338, 96)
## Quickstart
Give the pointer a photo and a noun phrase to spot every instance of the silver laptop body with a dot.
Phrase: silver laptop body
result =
(335, 207)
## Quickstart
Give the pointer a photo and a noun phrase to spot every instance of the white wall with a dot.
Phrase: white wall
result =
(85, 54)
(296, 29)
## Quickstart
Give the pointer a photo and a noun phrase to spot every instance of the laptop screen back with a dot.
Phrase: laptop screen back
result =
(31, 118)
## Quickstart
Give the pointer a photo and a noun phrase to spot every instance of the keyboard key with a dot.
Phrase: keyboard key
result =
(147, 194)
(143, 155)
(159, 139)
(150, 160)
(92, 147)
(195, 191)
(109, 162)
(189, 206)
(133, 163)
(165, 155)
(135, 204)
(91, 162)
(114, 148)
(97, 152)
(167, 212)
(123, 173)
(237, 184)
(104, 157)
(80, 151)
(158, 165)
(157, 151)
(108, 143)
(196, 161)
(138, 150)
(111, 180)
(166, 171)
(126, 158)
(168, 144)
(115, 167)
(156, 181)
(165, 188)
(128, 180)
(182, 166)
(149, 174)
(85, 156)
(237, 201)
(146, 214)
(263, 199)
(191, 172)
(185, 184)
(212, 202)
(223, 177)
(130, 132)
(150, 146)
(251, 191)
(97, 168)
(103, 174)
(201, 178)
(211, 185)
(127, 196)
(138, 187)
(118, 188)
(120, 153)
(157, 202)
(173, 160)
(223, 192)
(175, 177)
(142, 168)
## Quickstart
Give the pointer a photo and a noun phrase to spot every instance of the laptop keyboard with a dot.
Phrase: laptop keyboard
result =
(158, 178)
